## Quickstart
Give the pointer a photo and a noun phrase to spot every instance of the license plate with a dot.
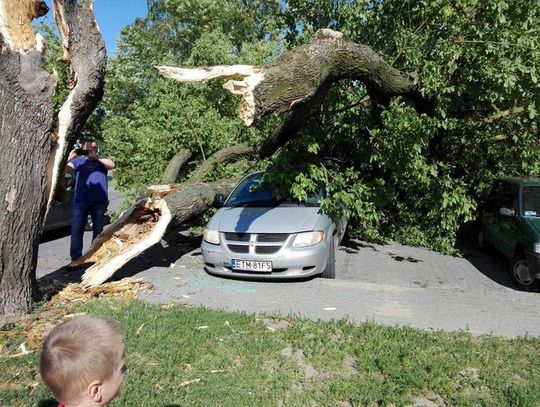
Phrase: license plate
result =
(250, 265)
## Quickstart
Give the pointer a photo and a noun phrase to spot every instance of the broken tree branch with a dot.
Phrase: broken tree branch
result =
(224, 155)
(296, 76)
(85, 51)
(144, 224)
(175, 165)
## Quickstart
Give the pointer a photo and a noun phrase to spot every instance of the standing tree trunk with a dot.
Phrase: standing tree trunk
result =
(28, 150)
(26, 107)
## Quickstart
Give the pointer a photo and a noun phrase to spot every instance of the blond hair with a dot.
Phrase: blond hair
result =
(79, 351)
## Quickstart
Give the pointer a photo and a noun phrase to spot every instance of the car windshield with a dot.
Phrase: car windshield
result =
(531, 201)
(251, 192)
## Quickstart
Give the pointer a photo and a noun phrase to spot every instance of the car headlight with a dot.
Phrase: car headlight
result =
(308, 238)
(211, 236)
(537, 248)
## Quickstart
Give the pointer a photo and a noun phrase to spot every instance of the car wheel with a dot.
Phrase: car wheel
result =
(521, 274)
(330, 269)
(481, 238)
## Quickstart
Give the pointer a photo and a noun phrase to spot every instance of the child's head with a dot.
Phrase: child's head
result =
(82, 360)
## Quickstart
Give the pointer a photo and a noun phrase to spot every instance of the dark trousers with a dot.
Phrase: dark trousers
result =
(81, 210)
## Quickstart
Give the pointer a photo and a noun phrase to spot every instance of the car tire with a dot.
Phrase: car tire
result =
(330, 269)
(521, 274)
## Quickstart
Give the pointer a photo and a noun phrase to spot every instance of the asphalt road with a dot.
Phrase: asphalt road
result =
(392, 284)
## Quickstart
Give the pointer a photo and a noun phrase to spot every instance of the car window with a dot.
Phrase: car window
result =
(502, 195)
(531, 201)
(253, 192)
(509, 197)
(250, 190)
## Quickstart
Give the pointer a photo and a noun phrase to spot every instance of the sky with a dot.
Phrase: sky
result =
(111, 16)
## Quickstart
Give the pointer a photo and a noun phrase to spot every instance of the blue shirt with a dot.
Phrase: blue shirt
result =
(90, 180)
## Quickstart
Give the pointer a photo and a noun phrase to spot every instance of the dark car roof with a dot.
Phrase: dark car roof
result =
(522, 181)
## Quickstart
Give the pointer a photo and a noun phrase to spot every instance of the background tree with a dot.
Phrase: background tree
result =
(401, 175)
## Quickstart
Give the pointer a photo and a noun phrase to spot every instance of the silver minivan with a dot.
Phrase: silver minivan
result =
(255, 235)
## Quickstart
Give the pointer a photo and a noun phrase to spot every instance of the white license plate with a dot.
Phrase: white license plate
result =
(250, 265)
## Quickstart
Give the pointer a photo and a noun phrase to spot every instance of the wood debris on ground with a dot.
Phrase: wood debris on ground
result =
(188, 382)
(125, 289)
(61, 305)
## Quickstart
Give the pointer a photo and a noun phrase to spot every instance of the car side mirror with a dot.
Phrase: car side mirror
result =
(507, 212)
(219, 200)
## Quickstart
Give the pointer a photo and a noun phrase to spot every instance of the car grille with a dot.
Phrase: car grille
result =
(239, 242)
(267, 249)
(237, 237)
(272, 237)
(238, 248)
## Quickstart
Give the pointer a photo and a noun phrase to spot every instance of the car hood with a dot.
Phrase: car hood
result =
(534, 222)
(265, 220)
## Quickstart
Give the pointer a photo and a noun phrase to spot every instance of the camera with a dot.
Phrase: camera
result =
(80, 151)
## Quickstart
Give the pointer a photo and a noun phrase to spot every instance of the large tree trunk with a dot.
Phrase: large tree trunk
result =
(26, 113)
(30, 167)
(145, 223)
(297, 83)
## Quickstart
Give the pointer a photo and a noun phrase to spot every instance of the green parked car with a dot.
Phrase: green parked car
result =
(510, 222)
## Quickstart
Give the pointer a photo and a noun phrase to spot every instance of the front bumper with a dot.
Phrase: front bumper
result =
(288, 263)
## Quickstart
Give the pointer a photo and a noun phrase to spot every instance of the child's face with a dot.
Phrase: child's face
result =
(111, 387)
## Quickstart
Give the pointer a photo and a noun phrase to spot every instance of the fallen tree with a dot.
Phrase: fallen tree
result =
(33, 148)
(297, 84)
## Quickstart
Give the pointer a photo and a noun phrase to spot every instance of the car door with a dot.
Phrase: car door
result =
(508, 215)
(500, 217)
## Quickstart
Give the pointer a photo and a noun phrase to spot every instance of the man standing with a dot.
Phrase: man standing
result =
(91, 196)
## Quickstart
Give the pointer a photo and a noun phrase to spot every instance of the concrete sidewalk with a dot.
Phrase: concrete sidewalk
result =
(392, 284)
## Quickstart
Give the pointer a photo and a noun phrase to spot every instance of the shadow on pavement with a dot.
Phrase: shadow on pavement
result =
(55, 234)
(401, 258)
(493, 265)
(354, 246)
(173, 246)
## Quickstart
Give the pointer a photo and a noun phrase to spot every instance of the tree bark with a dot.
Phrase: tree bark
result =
(26, 113)
(27, 143)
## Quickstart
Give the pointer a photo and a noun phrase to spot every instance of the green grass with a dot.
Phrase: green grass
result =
(305, 363)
